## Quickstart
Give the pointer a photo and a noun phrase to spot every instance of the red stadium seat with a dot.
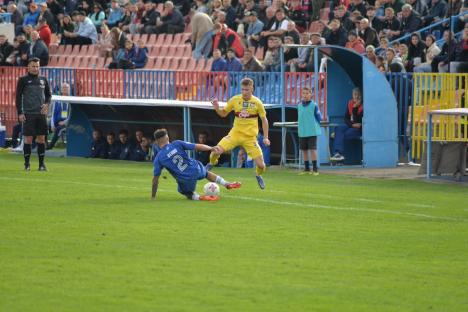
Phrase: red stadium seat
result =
(158, 63)
(174, 63)
(100, 62)
(151, 40)
(183, 63)
(177, 39)
(75, 50)
(192, 63)
(167, 40)
(68, 49)
(160, 39)
(144, 37)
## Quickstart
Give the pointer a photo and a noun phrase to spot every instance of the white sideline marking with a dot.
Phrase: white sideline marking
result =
(269, 201)
(420, 205)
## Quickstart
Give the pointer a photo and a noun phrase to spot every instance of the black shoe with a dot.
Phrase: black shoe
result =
(27, 167)
(42, 168)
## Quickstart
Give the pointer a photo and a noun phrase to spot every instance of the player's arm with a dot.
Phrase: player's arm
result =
(19, 99)
(48, 97)
(154, 189)
(221, 112)
(265, 129)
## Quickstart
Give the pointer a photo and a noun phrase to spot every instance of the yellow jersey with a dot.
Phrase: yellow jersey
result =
(247, 113)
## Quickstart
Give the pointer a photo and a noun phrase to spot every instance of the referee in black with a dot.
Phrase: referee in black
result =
(32, 103)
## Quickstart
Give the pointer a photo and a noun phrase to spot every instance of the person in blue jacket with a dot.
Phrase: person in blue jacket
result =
(309, 118)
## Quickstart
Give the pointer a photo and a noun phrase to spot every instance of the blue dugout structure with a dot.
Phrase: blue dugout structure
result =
(347, 70)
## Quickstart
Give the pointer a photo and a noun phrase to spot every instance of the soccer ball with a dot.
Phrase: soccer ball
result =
(211, 189)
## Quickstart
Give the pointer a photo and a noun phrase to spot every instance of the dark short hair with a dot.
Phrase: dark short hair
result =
(247, 82)
(160, 133)
(33, 59)
(112, 134)
(123, 131)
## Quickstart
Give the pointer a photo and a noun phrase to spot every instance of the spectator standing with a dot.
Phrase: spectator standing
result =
(60, 116)
(44, 31)
(38, 49)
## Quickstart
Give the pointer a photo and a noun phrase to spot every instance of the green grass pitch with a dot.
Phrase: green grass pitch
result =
(85, 236)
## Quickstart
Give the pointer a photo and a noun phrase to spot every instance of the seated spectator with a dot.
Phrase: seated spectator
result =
(390, 25)
(416, 52)
(149, 18)
(370, 53)
(118, 40)
(396, 5)
(419, 6)
(32, 16)
(374, 22)
(219, 63)
(226, 38)
(85, 34)
(230, 14)
(355, 43)
(233, 64)
(55, 9)
(358, 5)
(300, 64)
(380, 61)
(254, 28)
(290, 54)
(368, 34)
(85, 7)
(65, 24)
(141, 151)
(278, 28)
(343, 16)
(21, 51)
(202, 35)
(98, 148)
(126, 60)
(383, 47)
(432, 50)
(272, 56)
(394, 62)
(16, 18)
(298, 15)
(172, 21)
(410, 22)
(437, 12)
(113, 148)
(352, 129)
(201, 7)
(104, 43)
(44, 32)
(125, 145)
(97, 16)
(201, 156)
(27, 30)
(115, 14)
(317, 5)
(460, 65)
(250, 62)
(45, 14)
(6, 49)
(126, 19)
(60, 116)
(446, 55)
(337, 35)
(140, 57)
(38, 49)
(292, 32)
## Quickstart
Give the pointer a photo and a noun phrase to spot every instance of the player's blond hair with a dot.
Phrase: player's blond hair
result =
(247, 82)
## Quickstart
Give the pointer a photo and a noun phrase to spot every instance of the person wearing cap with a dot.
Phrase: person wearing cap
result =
(38, 49)
(254, 28)
(32, 104)
(86, 33)
(44, 31)
(355, 43)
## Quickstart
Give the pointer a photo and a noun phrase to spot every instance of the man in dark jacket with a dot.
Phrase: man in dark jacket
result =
(113, 148)
(410, 22)
(32, 103)
(172, 21)
(337, 35)
(38, 49)
(437, 12)
(368, 34)
(5, 50)
(98, 149)
(149, 18)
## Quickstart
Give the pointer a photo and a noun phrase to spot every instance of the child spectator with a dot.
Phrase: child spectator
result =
(309, 118)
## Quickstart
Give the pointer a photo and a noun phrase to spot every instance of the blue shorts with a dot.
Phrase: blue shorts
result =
(187, 187)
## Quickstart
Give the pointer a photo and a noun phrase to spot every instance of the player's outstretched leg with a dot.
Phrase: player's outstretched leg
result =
(259, 170)
(196, 196)
(218, 179)
(214, 157)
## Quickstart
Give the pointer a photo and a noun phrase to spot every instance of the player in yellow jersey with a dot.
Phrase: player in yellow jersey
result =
(247, 109)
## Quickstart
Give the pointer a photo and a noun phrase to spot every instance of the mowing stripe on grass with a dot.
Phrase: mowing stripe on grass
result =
(269, 201)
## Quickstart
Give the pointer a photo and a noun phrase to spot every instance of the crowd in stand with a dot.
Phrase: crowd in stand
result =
(237, 33)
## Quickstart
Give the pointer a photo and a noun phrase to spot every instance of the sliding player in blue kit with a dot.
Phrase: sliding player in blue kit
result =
(185, 170)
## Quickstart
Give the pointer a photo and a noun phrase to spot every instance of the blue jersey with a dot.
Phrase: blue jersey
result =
(174, 158)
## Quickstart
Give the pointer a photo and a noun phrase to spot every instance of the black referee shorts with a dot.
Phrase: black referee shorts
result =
(35, 124)
(308, 143)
